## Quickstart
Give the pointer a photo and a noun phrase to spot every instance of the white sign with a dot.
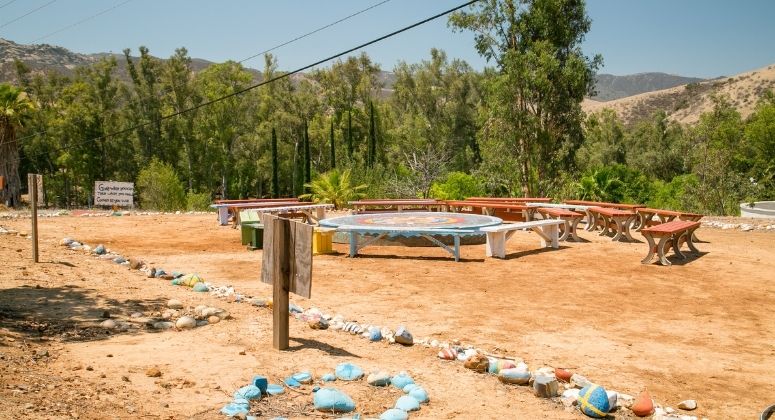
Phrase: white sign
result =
(109, 193)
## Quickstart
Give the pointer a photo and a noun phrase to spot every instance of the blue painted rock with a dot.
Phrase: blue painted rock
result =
(348, 372)
(448, 354)
(593, 401)
(375, 334)
(99, 249)
(380, 378)
(401, 380)
(332, 399)
(419, 394)
(407, 403)
(248, 392)
(394, 414)
(236, 407)
(403, 336)
(497, 365)
(295, 309)
(303, 377)
(518, 376)
(201, 287)
(274, 389)
(160, 272)
(546, 386)
(409, 387)
(119, 260)
(293, 383)
(260, 382)
(328, 377)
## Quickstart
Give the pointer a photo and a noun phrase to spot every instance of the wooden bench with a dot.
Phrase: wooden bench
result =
(670, 234)
(646, 217)
(380, 232)
(620, 220)
(395, 205)
(571, 219)
(227, 210)
(508, 212)
(512, 199)
(547, 230)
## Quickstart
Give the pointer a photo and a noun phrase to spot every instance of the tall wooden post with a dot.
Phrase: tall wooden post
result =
(32, 183)
(281, 284)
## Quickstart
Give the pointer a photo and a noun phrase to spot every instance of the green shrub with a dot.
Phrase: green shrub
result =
(160, 188)
(198, 201)
(674, 195)
(458, 186)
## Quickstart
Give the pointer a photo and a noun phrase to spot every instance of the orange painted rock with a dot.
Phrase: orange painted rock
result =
(643, 405)
(478, 363)
(447, 354)
(562, 374)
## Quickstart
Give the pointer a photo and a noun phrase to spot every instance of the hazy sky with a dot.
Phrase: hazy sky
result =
(704, 38)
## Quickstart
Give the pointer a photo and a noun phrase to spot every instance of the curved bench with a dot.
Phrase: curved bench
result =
(670, 234)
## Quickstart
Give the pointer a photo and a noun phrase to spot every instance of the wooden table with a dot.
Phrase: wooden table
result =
(570, 220)
(395, 205)
(620, 219)
(510, 212)
(225, 209)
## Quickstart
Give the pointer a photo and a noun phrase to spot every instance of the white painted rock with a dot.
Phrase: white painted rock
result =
(613, 399)
(380, 378)
(570, 397)
(688, 405)
(108, 324)
(175, 304)
(185, 323)
(403, 336)
(579, 381)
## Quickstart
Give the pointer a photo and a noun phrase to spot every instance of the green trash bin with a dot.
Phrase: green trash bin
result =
(247, 218)
(256, 233)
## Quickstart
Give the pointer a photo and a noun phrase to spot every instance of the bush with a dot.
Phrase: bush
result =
(198, 202)
(458, 186)
(160, 188)
(674, 195)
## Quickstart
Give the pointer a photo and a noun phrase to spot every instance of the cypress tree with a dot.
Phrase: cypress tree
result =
(307, 157)
(333, 148)
(350, 134)
(275, 173)
(372, 136)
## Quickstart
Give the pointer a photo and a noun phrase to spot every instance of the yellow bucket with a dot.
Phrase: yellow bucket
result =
(322, 241)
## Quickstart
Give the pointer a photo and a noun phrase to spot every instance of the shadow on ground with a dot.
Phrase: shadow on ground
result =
(69, 313)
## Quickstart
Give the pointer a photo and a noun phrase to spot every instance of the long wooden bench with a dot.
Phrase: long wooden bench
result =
(508, 212)
(395, 205)
(512, 199)
(646, 216)
(497, 236)
(619, 220)
(571, 219)
(670, 234)
(380, 232)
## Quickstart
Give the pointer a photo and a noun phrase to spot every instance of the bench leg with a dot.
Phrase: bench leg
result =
(496, 245)
(690, 238)
(661, 250)
(591, 221)
(677, 247)
(565, 230)
(606, 222)
(550, 236)
(652, 247)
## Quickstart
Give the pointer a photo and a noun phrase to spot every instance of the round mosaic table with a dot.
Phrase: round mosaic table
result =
(419, 220)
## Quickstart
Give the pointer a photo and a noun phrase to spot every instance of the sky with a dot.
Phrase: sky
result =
(701, 38)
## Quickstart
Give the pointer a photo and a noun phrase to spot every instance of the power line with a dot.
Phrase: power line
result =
(315, 31)
(116, 6)
(26, 14)
(274, 79)
(7, 4)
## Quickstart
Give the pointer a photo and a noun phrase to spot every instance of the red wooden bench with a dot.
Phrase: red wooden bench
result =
(670, 234)
(395, 205)
(619, 220)
(509, 212)
(571, 219)
(512, 199)
(646, 217)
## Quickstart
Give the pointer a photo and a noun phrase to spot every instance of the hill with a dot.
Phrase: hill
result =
(686, 103)
(610, 87)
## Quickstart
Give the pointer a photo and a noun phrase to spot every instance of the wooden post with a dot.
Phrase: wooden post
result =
(32, 183)
(281, 271)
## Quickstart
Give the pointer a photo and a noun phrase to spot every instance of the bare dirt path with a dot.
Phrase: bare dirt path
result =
(703, 330)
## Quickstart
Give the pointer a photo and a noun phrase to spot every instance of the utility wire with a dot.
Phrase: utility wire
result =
(315, 31)
(7, 4)
(116, 6)
(274, 79)
(26, 14)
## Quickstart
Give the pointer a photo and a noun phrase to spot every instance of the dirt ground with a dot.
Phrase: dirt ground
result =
(702, 330)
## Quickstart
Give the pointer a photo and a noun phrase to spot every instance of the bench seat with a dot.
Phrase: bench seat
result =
(547, 230)
(670, 234)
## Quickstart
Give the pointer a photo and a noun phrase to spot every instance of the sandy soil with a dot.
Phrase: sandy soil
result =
(703, 329)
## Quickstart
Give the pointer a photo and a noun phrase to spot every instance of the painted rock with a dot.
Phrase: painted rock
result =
(375, 334)
(236, 408)
(407, 403)
(448, 354)
(394, 414)
(348, 372)
(593, 401)
(643, 405)
(380, 378)
(119, 260)
(516, 376)
(274, 389)
(570, 397)
(546, 386)
(293, 308)
(688, 405)
(409, 387)
(401, 380)
(248, 392)
(303, 377)
(579, 381)
(185, 323)
(292, 383)
(201, 287)
(403, 336)
(562, 374)
(332, 399)
(496, 365)
(66, 241)
(260, 382)
(352, 328)
(99, 249)
(328, 377)
(477, 363)
(318, 324)
(419, 394)
(613, 399)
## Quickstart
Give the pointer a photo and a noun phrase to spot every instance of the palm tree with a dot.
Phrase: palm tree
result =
(335, 188)
(15, 107)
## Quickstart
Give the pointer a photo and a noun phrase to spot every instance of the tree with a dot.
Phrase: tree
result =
(275, 169)
(333, 146)
(532, 116)
(334, 187)
(372, 137)
(15, 108)
(307, 155)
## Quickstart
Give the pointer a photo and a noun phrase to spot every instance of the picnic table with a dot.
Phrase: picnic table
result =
(395, 205)
(619, 219)
(311, 213)
(512, 212)
(226, 209)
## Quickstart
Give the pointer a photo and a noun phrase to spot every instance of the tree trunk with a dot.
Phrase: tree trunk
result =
(9, 166)
(333, 148)
(275, 170)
